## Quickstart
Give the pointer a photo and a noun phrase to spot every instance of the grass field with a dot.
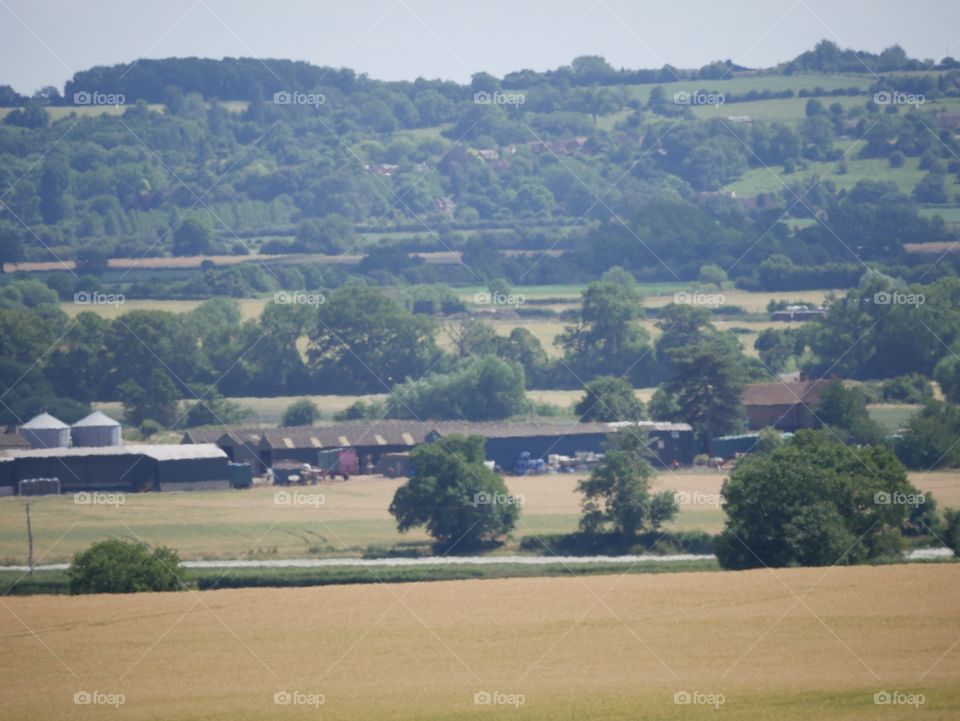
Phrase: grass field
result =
(773, 179)
(786, 644)
(351, 520)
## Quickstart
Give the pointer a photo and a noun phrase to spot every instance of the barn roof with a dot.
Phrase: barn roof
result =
(213, 435)
(44, 421)
(371, 433)
(158, 452)
(499, 429)
(97, 419)
(784, 394)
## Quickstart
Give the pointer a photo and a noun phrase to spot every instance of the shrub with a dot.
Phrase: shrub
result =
(117, 566)
(913, 388)
(302, 412)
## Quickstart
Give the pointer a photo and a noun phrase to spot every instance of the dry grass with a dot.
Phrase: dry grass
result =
(248, 524)
(602, 647)
(353, 516)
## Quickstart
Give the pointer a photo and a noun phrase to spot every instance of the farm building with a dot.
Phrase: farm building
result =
(370, 440)
(785, 406)
(506, 441)
(727, 447)
(45, 431)
(131, 468)
(97, 429)
(672, 442)
(7, 479)
(240, 444)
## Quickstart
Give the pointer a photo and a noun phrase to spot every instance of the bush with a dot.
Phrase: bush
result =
(913, 388)
(117, 566)
(302, 412)
(951, 531)
(479, 388)
(930, 438)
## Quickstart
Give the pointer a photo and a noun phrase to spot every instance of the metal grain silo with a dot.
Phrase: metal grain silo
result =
(97, 429)
(45, 431)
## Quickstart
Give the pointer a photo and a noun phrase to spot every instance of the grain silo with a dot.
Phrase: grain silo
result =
(97, 429)
(45, 431)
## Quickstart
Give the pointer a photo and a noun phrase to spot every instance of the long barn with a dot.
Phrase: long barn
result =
(130, 468)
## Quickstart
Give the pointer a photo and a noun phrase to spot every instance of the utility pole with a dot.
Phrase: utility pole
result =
(29, 540)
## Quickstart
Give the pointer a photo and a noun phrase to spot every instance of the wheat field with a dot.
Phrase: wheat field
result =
(786, 644)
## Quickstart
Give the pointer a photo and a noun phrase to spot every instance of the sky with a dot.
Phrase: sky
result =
(43, 42)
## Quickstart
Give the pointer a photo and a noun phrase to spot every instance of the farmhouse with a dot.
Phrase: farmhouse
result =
(130, 468)
(786, 406)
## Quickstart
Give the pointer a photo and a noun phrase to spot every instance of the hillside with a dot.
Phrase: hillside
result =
(199, 157)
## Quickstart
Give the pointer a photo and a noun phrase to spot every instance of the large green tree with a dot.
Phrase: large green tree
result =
(607, 339)
(365, 342)
(708, 378)
(460, 501)
(814, 501)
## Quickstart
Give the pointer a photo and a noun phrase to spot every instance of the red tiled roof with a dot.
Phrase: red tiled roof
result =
(784, 394)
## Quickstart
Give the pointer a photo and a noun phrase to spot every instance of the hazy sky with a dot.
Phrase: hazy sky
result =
(43, 42)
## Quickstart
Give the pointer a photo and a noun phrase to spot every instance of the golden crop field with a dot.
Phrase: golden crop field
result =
(788, 644)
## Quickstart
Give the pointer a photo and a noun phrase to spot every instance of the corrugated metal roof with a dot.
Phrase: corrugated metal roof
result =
(44, 421)
(215, 435)
(664, 426)
(499, 429)
(372, 433)
(411, 432)
(159, 452)
(97, 419)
